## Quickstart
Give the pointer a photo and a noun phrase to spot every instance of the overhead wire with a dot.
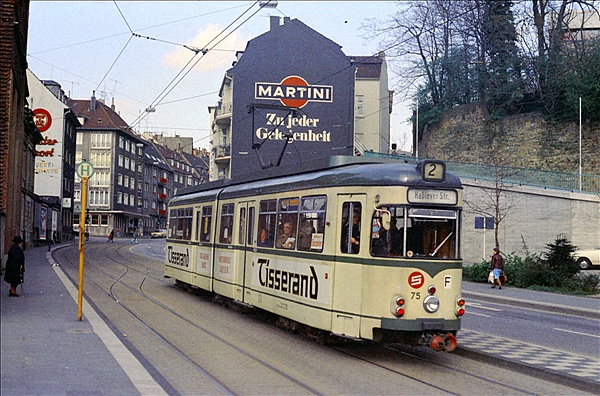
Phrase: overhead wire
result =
(204, 51)
(158, 100)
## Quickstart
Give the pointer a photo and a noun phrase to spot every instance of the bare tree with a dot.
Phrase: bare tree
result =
(497, 201)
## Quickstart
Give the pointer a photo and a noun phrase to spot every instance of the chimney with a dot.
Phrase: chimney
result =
(112, 104)
(274, 22)
(93, 101)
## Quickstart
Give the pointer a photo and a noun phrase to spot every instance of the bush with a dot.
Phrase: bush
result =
(555, 270)
(477, 272)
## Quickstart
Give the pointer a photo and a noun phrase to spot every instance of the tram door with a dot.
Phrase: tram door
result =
(352, 223)
(247, 218)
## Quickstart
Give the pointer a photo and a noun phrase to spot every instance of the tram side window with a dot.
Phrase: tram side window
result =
(242, 226)
(287, 221)
(311, 227)
(251, 215)
(225, 232)
(351, 213)
(267, 220)
(206, 221)
(198, 224)
(181, 223)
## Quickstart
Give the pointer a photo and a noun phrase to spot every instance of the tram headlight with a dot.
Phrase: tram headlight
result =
(431, 304)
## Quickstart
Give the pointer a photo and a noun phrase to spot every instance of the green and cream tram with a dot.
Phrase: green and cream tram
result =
(346, 246)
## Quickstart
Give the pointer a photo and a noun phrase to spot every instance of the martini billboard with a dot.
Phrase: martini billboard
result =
(293, 100)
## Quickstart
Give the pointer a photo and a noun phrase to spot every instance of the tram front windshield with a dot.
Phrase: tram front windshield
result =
(414, 232)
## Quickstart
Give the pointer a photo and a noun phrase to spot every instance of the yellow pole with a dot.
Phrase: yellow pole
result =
(82, 218)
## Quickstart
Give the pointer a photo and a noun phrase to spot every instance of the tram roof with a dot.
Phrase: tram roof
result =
(327, 172)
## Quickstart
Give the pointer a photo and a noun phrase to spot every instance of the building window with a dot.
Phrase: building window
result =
(360, 103)
(119, 197)
(120, 160)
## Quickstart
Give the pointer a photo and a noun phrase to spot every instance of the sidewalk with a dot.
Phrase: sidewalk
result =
(47, 351)
(586, 306)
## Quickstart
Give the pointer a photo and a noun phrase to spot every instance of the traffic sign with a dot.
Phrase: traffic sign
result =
(85, 169)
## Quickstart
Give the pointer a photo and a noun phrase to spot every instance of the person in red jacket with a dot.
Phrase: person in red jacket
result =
(497, 266)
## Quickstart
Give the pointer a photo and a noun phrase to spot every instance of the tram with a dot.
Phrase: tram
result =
(345, 246)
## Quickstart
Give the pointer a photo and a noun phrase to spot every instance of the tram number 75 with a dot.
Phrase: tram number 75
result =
(415, 295)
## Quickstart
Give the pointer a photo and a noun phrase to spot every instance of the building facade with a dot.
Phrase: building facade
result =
(115, 190)
(54, 161)
(290, 97)
(18, 134)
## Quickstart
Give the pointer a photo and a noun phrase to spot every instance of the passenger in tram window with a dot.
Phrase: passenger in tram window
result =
(379, 239)
(305, 235)
(414, 238)
(263, 239)
(354, 237)
(397, 237)
(286, 239)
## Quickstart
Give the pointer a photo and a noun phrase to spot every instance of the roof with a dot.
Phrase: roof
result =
(367, 66)
(322, 172)
(101, 118)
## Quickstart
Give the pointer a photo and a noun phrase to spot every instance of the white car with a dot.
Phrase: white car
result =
(160, 233)
(587, 258)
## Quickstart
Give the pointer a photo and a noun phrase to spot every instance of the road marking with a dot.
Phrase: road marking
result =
(576, 332)
(132, 367)
(477, 305)
(477, 314)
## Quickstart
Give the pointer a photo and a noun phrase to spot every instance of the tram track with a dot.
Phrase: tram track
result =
(408, 357)
(157, 334)
(436, 372)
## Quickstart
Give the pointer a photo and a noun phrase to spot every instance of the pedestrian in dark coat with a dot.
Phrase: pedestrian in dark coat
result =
(15, 266)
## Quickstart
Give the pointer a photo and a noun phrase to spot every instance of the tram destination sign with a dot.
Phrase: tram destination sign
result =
(444, 197)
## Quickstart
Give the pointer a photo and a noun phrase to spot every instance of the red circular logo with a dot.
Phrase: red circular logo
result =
(294, 81)
(42, 119)
(416, 280)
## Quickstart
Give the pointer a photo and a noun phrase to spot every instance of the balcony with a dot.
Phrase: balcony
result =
(222, 153)
(223, 114)
(162, 212)
(162, 197)
(162, 180)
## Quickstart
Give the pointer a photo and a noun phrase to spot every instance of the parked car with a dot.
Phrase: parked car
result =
(160, 233)
(587, 258)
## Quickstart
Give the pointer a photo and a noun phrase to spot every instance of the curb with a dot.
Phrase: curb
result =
(584, 312)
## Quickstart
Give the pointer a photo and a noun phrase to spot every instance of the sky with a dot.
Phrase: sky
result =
(144, 54)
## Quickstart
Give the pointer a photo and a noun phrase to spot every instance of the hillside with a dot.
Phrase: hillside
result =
(467, 134)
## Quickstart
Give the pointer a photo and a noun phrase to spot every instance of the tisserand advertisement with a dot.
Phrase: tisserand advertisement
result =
(292, 85)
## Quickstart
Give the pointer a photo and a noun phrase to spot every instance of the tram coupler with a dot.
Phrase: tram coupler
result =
(443, 342)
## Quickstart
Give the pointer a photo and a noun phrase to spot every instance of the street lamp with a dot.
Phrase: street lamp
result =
(417, 132)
